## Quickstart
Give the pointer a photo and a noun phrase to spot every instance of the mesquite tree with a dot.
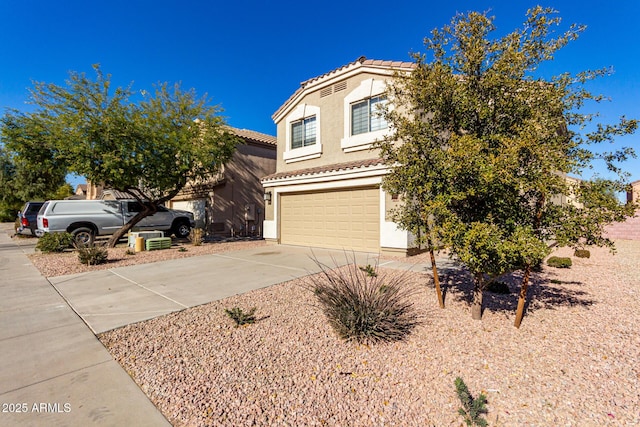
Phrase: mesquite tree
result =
(149, 149)
(482, 147)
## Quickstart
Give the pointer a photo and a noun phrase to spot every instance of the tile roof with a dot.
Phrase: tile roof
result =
(360, 62)
(255, 136)
(363, 61)
(360, 164)
(118, 195)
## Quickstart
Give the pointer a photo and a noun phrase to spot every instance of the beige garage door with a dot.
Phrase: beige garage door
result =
(348, 219)
(197, 206)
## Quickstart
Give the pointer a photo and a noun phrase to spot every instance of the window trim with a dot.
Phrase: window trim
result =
(367, 89)
(300, 113)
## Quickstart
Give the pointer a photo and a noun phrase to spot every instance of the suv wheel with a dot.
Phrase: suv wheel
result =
(83, 236)
(182, 229)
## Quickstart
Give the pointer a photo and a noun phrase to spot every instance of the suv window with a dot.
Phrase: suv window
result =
(134, 207)
(33, 207)
(43, 208)
(137, 207)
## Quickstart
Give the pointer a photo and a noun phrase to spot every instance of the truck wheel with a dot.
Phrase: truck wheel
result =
(182, 229)
(83, 236)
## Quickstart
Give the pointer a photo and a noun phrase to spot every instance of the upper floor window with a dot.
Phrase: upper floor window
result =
(364, 121)
(366, 115)
(303, 132)
(303, 139)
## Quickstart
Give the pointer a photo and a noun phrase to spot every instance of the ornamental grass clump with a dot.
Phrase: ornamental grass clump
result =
(196, 236)
(363, 307)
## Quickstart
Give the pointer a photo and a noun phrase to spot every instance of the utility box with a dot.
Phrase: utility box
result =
(144, 234)
(156, 243)
(250, 212)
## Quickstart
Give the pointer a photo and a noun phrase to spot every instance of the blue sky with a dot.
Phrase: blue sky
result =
(250, 56)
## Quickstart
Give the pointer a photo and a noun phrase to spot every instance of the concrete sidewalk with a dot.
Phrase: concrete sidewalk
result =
(53, 370)
(108, 299)
(56, 371)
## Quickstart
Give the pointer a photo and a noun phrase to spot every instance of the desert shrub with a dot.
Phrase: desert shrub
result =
(92, 254)
(182, 249)
(196, 236)
(582, 253)
(240, 317)
(54, 242)
(130, 252)
(365, 308)
(498, 287)
(472, 409)
(559, 262)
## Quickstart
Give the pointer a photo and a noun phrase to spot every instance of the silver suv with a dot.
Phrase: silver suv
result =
(26, 223)
(86, 219)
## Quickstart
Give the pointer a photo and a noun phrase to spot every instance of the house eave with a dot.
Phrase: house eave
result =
(330, 175)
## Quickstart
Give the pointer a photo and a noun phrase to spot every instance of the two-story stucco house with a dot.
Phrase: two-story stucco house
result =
(326, 191)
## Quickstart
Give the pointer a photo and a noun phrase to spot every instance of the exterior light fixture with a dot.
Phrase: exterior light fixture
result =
(267, 197)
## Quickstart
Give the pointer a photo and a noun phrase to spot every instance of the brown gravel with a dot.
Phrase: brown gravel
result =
(51, 265)
(575, 361)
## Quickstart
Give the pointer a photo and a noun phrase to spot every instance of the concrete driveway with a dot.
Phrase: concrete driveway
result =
(108, 299)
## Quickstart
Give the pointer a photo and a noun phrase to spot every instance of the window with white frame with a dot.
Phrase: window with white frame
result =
(303, 137)
(364, 121)
(366, 115)
(303, 132)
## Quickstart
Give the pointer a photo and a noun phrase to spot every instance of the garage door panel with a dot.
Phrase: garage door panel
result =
(336, 219)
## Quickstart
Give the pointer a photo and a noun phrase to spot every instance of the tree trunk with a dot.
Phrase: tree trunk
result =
(523, 296)
(113, 240)
(478, 289)
(436, 278)
(115, 237)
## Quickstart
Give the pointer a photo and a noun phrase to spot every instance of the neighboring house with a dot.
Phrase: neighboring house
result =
(81, 191)
(629, 229)
(633, 195)
(232, 203)
(326, 191)
(570, 198)
(86, 192)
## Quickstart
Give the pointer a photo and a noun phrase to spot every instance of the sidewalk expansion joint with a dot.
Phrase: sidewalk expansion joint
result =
(147, 289)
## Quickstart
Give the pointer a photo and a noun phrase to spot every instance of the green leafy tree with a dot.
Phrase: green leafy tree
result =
(62, 192)
(31, 170)
(482, 147)
(149, 149)
(9, 203)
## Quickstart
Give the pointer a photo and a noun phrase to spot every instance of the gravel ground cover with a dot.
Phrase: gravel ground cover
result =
(51, 265)
(575, 361)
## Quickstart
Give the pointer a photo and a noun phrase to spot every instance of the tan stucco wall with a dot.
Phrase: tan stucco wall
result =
(390, 205)
(269, 208)
(633, 196)
(242, 187)
(331, 128)
(226, 202)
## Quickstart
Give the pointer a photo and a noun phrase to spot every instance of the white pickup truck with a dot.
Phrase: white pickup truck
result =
(86, 219)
